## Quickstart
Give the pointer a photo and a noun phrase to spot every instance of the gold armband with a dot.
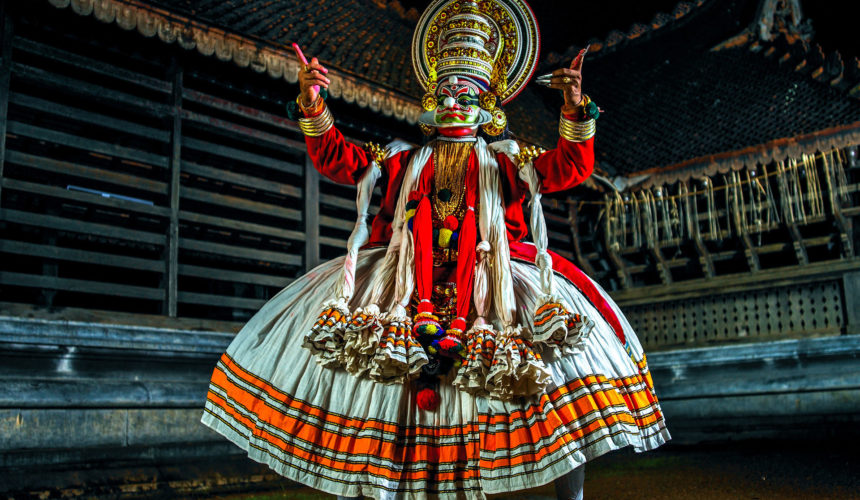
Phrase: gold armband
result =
(317, 125)
(576, 131)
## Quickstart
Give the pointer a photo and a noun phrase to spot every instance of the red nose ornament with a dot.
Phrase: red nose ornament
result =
(428, 399)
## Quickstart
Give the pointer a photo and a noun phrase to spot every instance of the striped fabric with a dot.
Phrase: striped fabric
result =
(352, 436)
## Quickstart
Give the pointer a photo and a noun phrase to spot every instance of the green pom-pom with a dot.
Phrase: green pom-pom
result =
(411, 205)
(293, 111)
(324, 93)
(592, 111)
(444, 195)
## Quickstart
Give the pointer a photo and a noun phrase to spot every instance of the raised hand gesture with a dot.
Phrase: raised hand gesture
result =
(568, 80)
(311, 78)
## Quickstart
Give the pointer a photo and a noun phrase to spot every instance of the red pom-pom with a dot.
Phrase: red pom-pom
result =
(451, 223)
(459, 324)
(425, 306)
(428, 399)
(414, 195)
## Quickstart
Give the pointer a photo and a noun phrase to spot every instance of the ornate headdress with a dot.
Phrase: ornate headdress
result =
(492, 42)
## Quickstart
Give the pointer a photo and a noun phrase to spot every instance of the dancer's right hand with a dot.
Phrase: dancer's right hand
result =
(311, 78)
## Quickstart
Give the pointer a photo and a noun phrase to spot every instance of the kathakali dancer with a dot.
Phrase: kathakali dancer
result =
(443, 356)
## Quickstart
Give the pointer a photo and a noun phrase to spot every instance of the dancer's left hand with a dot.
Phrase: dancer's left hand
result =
(569, 81)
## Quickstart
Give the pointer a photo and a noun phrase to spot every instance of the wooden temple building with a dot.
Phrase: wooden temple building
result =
(154, 194)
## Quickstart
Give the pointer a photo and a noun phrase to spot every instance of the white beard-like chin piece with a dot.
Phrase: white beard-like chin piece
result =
(429, 118)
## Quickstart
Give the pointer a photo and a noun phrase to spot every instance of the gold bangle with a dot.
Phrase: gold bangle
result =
(317, 125)
(576, 131)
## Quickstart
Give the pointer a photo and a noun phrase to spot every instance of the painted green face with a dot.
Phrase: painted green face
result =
(457, 104)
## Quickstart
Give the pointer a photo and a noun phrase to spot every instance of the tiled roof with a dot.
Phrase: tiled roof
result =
(668, 96)
(672, 98)
(370, 39)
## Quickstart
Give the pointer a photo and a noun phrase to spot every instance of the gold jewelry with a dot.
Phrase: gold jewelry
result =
(450, 161)
(376, 152)
(317, 125)
(307, 68)
(487, 101)
(528, 154)
(576, 131)
(497, 125)
(426, 129)
(566, 79)
(428, 102)
(314, 108)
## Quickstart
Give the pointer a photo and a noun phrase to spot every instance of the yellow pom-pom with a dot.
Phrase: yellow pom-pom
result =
(409, 214)
(430, 329)
(445, 237)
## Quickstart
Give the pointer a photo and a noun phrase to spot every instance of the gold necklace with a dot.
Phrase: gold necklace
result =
(450, 162)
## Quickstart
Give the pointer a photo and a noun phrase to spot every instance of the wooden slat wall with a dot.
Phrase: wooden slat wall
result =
(133, 184)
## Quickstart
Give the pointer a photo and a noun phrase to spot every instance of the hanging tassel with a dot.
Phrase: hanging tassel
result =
(713, 220)
(637, 221)
(481, 338)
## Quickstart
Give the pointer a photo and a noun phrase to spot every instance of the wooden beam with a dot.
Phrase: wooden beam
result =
(241, 226)
(253, 254)
(573, 222)
(221, 300)
(69, 168)
(58, 192)
(660, 263)
(312, 215)
(693, 230)
(86, 65)
(83, 115)
(171, 261)
(740, 282)
(618, 261)
(254, 135)
(90, 145)
(242, 155)
(798, 244)
(240, 203)
(77, 285)
(77, 226)
(844, 224)
(851, 298)
(5, 74)
(240, 110)
(236, 276)
(85, 256)
(238, 179)
(749, 249)
(44, 78)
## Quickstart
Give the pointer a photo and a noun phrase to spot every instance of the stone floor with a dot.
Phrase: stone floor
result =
(749, 470)
(743, 470)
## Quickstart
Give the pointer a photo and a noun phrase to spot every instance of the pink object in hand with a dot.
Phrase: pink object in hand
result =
(304, 61)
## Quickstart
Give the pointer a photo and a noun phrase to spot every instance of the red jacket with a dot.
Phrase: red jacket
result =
(561, 168)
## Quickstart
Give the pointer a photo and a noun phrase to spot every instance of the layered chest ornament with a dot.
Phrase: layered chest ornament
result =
(448, 197)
